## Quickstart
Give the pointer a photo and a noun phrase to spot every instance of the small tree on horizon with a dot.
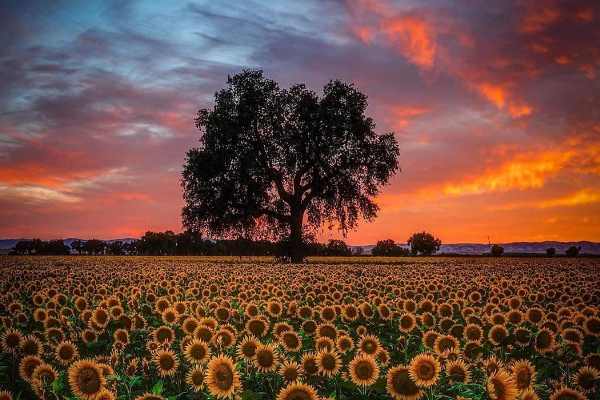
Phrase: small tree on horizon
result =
(551, 252)
(274, 162)
(423, 243)
(497, 250)
(389, 248)
(573, 251)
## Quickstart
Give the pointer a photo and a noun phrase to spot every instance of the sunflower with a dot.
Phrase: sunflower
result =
(592, 326)
(429, 338)
(522, 336)
(11, 339)
(121, 336)
(290, 341)
(222, 379)
(327, 330)
(204, 333)
(446, 344)
(43, 374)
(196, 352)
(105, 394)
(309, 364)
(473, 333)
(344, 343)
(31, 346)
(501, 386)
(458, 371)
(565, 393)
(100, 318)
(498, 334)
(257, 327)
(163, 334)
(407, 322)
(5, 395)
(309, 327)
(224, 338)
(492, 365)
(529, 394)
(324, 343)
(86, 379)
(65, 353)
(247, 348)
(27, 365)
(88, 336)
(586, 378)
(369, 344)
(266, 358)
(328, 362)
(195, 378)
(291, 371)
(363, 370)
(166, 362)
(400, 385)
(544, 341)
(150, 396)
(349, 313)
(424, 370)
(298, 391)
(524, 374)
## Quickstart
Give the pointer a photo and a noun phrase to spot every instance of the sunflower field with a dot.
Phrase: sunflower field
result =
(143, 328)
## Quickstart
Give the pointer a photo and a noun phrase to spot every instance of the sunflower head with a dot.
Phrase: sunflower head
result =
(400, 385)
(86, 379)
(424, 370)
(363, 370)
(222, 379)
(297, 391)
(501, 386)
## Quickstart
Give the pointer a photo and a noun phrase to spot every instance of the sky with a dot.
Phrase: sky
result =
(495, 105)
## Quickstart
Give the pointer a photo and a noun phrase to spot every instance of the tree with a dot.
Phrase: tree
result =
(389, 248)
(116, 248)
(551, 252)
(279, 161)
(77, 245)
(573, 251)
(23, 247)
(497, 250)
(338, 248)
(423, 243)
(94, 246)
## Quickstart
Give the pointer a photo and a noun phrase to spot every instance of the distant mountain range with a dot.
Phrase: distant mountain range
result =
(513, 247)
(453, 248)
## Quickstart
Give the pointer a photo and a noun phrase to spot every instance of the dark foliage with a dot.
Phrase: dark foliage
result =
(423, 243)
(389, 248)
(272, 161)
(497, 250)
(573, 251)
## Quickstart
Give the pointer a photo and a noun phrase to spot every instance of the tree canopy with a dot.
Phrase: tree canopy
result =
(275, 161)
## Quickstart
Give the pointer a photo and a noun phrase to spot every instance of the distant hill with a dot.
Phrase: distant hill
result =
(453, 248)
(514, 247)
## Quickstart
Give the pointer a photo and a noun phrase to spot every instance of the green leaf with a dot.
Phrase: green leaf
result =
(158, 387)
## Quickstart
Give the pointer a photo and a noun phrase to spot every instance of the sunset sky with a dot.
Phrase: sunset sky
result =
(495, 104)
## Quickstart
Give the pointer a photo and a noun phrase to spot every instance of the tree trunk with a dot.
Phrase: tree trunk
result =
(296, 242)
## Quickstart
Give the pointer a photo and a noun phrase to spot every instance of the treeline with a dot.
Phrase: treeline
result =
(190, 243)
(183, 244)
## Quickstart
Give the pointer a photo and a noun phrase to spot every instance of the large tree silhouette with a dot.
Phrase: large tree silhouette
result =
(276, 161)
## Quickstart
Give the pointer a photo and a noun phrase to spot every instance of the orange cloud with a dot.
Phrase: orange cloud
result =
(524, 172)
(414, 37)
(500, 96)
(402, 115)
(538, 19)
(584, 196)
